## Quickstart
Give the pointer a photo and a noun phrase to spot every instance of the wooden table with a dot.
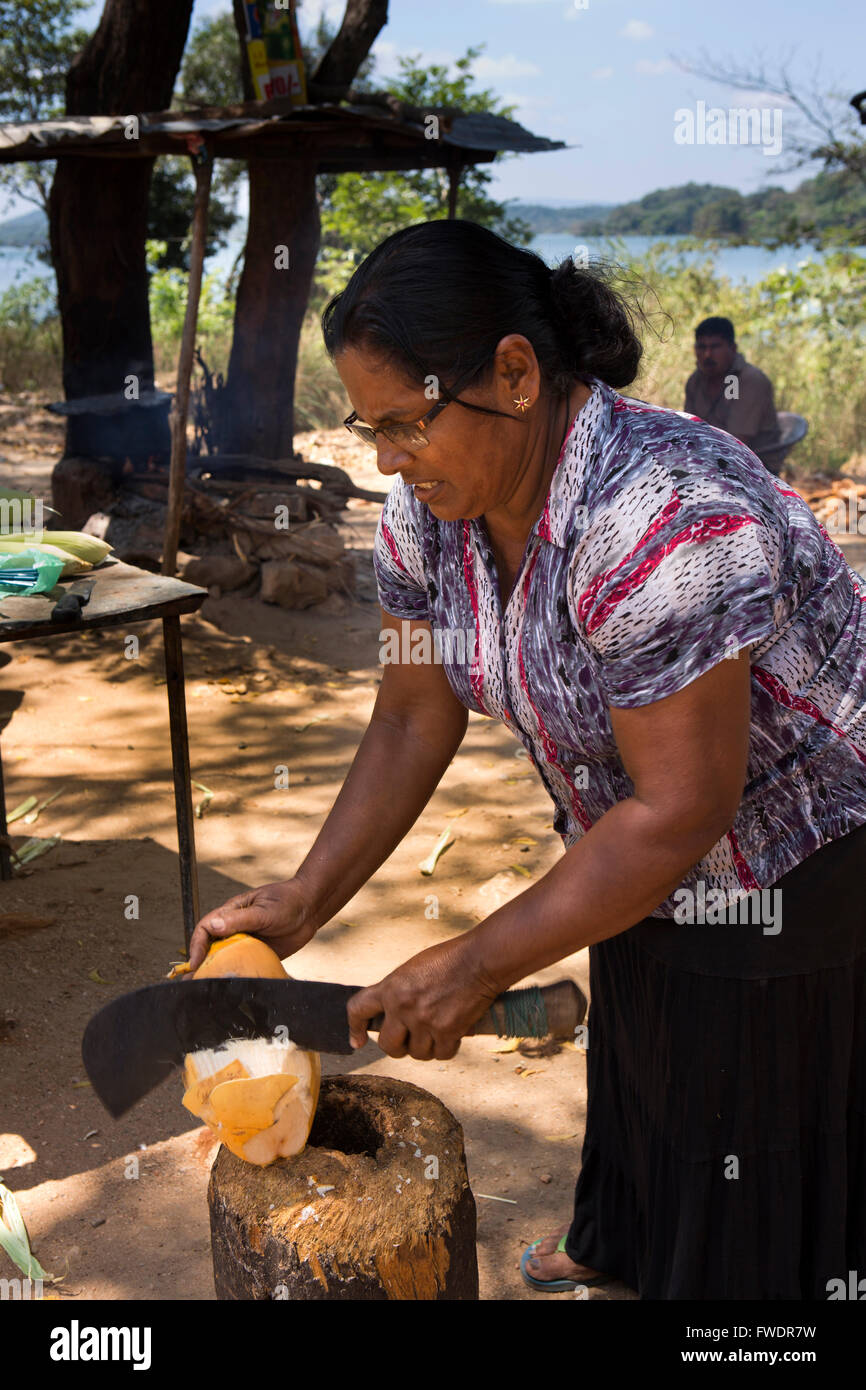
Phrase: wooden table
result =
(123, 595)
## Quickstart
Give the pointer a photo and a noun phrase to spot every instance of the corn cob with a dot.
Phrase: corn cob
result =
(89, 548)
(71, 563)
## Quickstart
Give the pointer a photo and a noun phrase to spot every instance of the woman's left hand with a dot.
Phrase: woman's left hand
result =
(430, 1003)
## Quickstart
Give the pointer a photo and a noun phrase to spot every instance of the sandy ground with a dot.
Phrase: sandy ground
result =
(118, 1207)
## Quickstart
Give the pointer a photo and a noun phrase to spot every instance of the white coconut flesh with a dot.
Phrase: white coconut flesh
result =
(258, 1095)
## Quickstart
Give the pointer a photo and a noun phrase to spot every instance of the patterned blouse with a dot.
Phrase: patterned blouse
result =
(664, 546)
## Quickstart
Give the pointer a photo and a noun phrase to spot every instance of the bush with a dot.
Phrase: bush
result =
(30, 338)
(167, 310)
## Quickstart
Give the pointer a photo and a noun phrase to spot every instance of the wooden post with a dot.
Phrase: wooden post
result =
(455, 172)
(377, 1208)
(203, 170)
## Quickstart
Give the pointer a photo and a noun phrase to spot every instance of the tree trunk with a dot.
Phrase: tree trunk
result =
(271, 304)
(98, 213)
(377, 1208)
(361, 24)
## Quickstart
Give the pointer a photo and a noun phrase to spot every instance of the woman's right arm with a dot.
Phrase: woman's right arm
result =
(415, 729)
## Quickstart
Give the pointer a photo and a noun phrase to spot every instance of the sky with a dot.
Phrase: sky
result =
(607, 77)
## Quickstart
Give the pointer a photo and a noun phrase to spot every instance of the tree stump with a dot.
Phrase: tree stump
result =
(377, 1207)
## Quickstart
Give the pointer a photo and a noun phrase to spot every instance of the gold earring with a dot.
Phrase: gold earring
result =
(521, 403)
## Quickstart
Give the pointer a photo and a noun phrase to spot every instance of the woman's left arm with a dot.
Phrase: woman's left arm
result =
(686, 756)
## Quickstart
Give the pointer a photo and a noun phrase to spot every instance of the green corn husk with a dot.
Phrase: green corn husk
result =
(14, 1238)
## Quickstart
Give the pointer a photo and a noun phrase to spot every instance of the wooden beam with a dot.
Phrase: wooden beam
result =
(203, 170)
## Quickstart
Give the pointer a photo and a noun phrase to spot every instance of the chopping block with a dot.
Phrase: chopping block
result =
(377, 1208)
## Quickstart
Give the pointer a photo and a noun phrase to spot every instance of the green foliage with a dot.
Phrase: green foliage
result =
(805, 326)
(170, 208)
(30, 338)
(168, 289)
(37, 45)
(320, 396)
(211, 73)
(358, 211)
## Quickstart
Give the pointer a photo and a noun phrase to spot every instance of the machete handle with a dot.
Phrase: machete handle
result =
(536, 1012)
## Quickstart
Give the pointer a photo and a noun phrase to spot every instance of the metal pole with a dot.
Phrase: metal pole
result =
(5, 860)
(180, 772)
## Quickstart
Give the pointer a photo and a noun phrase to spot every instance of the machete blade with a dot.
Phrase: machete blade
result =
(136, 1041)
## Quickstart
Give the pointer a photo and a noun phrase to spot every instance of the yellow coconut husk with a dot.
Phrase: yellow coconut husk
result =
(258, 1095)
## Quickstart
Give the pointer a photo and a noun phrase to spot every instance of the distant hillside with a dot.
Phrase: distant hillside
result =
(30, 229)
(833, 200)
(580, 220)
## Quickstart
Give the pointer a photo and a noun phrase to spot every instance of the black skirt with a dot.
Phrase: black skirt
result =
(725, 1146)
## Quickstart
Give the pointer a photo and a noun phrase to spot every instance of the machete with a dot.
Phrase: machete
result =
(134, 1042)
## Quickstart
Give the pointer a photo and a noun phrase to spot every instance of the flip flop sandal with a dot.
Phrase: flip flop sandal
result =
(557, 1285)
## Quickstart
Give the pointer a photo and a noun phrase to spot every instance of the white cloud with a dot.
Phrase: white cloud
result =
(601, 74)
(637, 29)
(310, 12)
(654, 69)
(526, 105)
(386, 53)
(507, 66)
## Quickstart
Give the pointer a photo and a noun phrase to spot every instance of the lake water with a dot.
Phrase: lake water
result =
(747, 263)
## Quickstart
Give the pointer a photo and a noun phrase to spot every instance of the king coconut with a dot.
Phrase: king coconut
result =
(258, 1095)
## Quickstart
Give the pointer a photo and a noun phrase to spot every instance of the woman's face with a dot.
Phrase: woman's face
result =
(476, 461)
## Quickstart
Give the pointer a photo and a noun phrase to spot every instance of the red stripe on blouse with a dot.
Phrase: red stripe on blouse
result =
(392, 546)
(744, 873)
(783, 696)
(667, 514)
(697, 533)
(476, 675)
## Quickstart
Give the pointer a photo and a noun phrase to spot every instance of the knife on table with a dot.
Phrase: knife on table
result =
(74, 597)
(138, 1039)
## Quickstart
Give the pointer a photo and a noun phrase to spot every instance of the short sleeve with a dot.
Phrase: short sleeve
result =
(672, 577)
(397, 558)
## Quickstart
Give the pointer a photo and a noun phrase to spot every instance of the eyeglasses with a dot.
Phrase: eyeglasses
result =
(412, 435)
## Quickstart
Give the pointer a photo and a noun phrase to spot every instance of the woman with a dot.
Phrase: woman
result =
(680, 649)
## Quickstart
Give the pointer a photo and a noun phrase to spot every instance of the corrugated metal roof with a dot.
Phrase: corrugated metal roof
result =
(344, 136)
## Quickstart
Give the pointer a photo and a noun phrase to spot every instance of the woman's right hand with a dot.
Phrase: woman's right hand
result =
(278, 912)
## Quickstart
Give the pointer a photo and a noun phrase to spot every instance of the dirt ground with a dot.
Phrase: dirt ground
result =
(264, 687)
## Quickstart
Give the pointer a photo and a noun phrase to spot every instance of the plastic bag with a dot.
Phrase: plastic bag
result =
(49, 569)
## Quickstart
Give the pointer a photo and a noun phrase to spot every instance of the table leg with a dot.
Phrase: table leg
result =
(5, 861)
(180, 771)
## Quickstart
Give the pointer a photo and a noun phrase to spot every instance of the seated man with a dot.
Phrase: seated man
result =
(726, 391)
